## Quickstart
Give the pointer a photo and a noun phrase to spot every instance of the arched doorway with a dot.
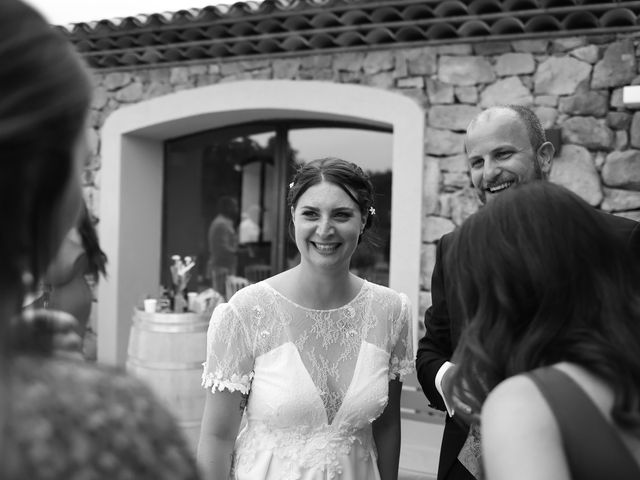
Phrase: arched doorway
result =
(132, 178)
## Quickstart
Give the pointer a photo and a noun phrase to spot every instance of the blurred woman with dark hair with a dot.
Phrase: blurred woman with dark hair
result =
(67, 284)
(59, 418)
(550, 351)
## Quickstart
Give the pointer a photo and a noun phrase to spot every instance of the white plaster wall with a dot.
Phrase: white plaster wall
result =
(131, 185)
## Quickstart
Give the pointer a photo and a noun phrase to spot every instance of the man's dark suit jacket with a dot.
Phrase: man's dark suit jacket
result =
(443, 322)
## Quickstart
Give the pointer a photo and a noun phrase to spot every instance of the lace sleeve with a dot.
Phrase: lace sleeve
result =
(230, 357)
(402, 361)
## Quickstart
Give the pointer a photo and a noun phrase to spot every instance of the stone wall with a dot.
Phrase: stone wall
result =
(574, 84)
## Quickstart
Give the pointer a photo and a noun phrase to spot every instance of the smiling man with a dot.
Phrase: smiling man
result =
(505, 146)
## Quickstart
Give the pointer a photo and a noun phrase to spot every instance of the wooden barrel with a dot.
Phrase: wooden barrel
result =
(166, 350)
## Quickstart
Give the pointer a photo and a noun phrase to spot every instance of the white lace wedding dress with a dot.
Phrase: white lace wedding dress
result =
(316, 379)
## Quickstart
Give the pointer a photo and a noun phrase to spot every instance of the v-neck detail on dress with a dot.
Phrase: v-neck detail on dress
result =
(317, 390)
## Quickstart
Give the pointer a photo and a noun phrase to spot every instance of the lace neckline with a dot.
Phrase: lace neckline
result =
(328, 310)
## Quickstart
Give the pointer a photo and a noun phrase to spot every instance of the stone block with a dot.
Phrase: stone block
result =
(100, 97)
(379, 61)
(348, 62)
(452, 117)
(622, 170)
(547, 116)
(635, 130)
(316, 62)
(258, 64)
(575, 170)
(438, 92)
(546, 100)
(618, 120)
(430, 186)
(416, 61)
(509, 90)
(454, 181)
(286, 68)
(96, 118)
(132, 93)
(587, 131)
(530, 46)
(410, 82)
(349, 77)
(322, 74)
(560, 76)
(153, 90)
(586, 102)
(381, 80)
(491, 48)
(616, 200)
(466, 94)
(588, 53)
(93, 141)
(443, 142)
(566, 44)
(444, 204)
(454, 163)
(455, 49)
(179, 76)
(515, 64)
(465, 70)
(228, 69)
(616, 98)
(620, 140)
(617, 67)
(194, 70)
(116, 80)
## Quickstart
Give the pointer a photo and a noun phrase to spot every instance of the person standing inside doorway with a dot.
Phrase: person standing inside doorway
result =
(223, 242)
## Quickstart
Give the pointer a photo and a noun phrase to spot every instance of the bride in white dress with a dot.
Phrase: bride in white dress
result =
(314, 356)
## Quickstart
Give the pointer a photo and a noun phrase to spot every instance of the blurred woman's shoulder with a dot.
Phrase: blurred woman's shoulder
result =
(80, 415)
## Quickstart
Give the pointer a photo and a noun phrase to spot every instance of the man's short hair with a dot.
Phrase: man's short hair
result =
(532, 123)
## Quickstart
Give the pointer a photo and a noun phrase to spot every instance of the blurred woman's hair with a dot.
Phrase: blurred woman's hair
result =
(44, 98)
(45, 95)
(543, 279)
(97, 259)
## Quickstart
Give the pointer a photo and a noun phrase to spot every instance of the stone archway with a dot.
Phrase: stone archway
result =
(132, 178)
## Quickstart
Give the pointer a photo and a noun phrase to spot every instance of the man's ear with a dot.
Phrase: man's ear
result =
(545, 154)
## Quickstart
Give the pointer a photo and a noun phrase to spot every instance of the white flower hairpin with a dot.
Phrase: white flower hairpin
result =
(291, 185)
(372, 211)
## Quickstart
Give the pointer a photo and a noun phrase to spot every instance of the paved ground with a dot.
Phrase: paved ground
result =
(419, 450)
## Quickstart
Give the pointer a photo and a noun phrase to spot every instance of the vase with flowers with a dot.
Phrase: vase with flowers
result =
(175, 297)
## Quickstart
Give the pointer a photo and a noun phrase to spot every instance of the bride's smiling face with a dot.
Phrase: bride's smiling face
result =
(327, 225)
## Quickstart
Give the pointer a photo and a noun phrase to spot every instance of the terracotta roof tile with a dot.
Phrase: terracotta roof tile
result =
(251, 28)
